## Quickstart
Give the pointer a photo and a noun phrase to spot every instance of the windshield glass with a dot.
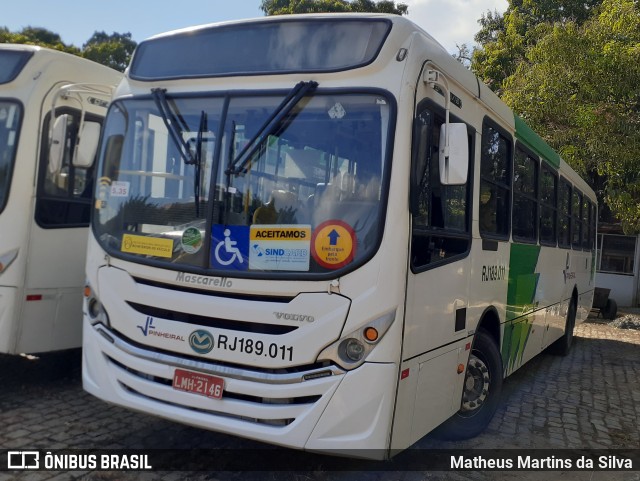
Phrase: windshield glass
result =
(12, 63)
(270, 46)
(10, 114)
(307, 201)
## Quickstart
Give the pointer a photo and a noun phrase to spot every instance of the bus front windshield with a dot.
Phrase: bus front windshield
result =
(240, 186)
(9, 129)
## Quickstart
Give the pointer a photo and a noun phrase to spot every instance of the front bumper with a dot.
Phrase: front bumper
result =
(315, 407)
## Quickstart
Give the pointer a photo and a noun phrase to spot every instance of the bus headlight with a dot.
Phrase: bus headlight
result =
(94, 308)
(351, 350)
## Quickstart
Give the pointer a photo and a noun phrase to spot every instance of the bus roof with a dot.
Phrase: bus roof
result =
(16, 58)
(532, 140)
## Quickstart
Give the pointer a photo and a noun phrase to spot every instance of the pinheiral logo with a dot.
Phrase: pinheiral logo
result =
(201, 341)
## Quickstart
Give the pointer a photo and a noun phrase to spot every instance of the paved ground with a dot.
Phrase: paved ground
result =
(589, 399)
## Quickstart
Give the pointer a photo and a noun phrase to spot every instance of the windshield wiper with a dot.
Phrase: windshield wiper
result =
(198, 160)
(171, 122)
(239, 164)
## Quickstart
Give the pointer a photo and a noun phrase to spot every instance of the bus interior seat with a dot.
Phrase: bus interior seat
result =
(348, 191)
(281, 204)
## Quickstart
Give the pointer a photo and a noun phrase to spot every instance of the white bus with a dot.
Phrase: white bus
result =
(49, 128)
(325, 233)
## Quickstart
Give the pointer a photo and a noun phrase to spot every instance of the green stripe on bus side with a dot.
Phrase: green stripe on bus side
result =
(521, 291)
(523, 279)
(527, 136)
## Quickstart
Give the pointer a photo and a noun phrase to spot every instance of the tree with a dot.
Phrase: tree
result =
(578, 87)
(283, 7)
(504, 39)
(464, 55)
(37, 36)
(113, 50)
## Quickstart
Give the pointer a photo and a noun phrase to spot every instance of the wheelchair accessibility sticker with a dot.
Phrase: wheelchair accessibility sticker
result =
(230, 247)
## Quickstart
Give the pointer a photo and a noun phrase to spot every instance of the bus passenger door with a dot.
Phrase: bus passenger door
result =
(437, 287)
(52, 315)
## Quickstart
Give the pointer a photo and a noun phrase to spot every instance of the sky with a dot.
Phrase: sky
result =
(451, 22)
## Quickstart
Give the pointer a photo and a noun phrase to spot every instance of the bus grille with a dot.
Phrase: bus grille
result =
(241, 326)
(268, 422)
(227, 395)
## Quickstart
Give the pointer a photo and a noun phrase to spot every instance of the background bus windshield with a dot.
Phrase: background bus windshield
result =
(9, 125)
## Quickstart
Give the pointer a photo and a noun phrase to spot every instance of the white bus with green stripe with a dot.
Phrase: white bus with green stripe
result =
(327, 248)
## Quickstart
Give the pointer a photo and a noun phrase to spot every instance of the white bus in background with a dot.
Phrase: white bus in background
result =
(325, 247)
(51, 110)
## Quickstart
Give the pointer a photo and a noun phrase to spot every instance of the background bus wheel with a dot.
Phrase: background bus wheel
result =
(480, 394)
(563, 345)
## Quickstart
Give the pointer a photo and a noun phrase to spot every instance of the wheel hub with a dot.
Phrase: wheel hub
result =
(476, 385)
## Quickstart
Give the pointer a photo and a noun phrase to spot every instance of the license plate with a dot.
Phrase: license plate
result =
(198, 383)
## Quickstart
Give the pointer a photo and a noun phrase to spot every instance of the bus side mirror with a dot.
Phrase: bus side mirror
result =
(454, 168)
(58, 143)
(87, 144)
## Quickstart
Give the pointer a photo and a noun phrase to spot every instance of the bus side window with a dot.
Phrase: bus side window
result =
(548, 206)
(592, 225)
(440, 213)
(586, 221)
(495, 183)
(564, 214)
(576, 219)
(525, 197)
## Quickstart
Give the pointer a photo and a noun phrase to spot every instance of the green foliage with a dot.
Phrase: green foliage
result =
(284, 7)
(464, 55)
(578, 87)
(113, 50)
(504, 39)
(37, 36)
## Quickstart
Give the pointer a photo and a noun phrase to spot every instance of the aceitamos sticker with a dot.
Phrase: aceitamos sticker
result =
(281, 248)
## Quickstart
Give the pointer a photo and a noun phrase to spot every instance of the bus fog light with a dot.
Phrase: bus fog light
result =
(352, 349)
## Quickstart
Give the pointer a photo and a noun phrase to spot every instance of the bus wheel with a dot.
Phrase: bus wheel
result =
(480, 394)
(563, 345)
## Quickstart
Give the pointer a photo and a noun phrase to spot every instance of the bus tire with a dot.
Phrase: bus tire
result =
(563, 345)
(481, 391)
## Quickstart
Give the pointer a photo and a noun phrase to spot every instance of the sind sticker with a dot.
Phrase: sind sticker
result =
(281, 248)
(333, 244)
(149, 246)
